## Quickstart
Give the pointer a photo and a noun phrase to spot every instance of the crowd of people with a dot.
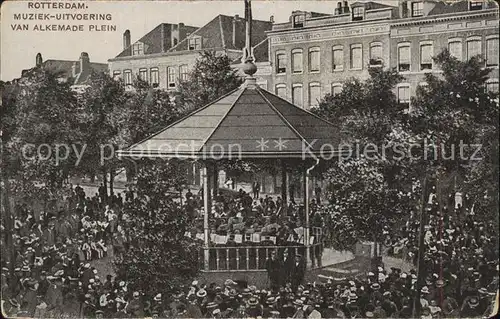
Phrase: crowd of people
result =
(241, 214)
(54, 272)
(49, 266)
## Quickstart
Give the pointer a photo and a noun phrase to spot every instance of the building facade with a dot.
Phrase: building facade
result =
(77, 73)
(312, 54)
(165, 55)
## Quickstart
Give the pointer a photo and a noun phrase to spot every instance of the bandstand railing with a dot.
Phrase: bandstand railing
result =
(243, 257)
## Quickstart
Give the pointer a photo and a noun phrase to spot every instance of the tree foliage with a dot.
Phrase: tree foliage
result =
(364, 190)
(211, 77)
(160, 256)
(455, 117)
(39, 118)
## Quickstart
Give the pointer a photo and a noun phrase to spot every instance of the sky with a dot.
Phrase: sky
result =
(19, 47)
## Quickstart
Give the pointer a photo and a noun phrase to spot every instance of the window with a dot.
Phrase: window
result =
(297, 95)
(127, 77)
(358, 13)
(404, 58)
(143, 74)
(297, 60)
(455, 48)
(314, 94)
(417, 9)
(138, 49)
(473, 47)
(376, 54)
(476, 5)
(404, 94)
(153, 77)
(184, 74)
(298, 21)
(116, 75)
(426, 56)
(281, 90)
(338, 58)
(336, 89)
(280, 63)
(356, 56)
(492, 86)
(492, 52)
(171, 77)
(194, 43)
(314, 56)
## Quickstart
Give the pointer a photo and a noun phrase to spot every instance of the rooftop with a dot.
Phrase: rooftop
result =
(249, 122)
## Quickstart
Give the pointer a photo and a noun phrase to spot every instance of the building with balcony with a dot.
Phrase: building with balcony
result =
(164, 56)
(313, 54)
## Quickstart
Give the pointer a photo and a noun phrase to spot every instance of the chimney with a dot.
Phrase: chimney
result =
(126, 39)
(38, 59)
(271, 19)
(84, 62)
(75, 69)
(235, 21)
(338, 10)
(162, 37)
(403, 9)
(346, 7)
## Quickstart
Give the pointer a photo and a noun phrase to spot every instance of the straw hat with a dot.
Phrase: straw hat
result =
(253, 301)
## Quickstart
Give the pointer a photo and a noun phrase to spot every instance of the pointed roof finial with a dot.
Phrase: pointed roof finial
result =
(249, 67)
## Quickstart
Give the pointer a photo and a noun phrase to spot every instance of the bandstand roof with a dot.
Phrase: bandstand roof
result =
(249, 122)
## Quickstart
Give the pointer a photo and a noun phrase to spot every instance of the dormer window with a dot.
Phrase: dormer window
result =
(358, 13)
(298, 21)
(475, 5)
(138, 49)
(417, 9)
(194, 43)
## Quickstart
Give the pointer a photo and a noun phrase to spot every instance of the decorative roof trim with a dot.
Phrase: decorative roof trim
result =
(446, 17)
(243, 155)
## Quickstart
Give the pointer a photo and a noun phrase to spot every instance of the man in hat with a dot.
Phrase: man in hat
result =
(54, 297)
(273, 267)
(299, 309)
(470, 307)
(254, 309)
(297, 272)
(136, 306)
(30, 297)
(176, 303)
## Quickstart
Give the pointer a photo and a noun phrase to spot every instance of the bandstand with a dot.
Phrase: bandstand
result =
(249, 124)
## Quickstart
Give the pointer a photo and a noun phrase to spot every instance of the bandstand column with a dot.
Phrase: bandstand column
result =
(206, 192)
(306, 213)
(284, 183)
(215, 177)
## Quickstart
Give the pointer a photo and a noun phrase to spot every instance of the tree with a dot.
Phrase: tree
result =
(454, 116)
(160, 256)
(102, 121)
(147, 111)
(211, 77)
(361, 202)
(365, 190)
(40, 127)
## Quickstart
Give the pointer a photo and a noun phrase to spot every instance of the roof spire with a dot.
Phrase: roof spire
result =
(249, 67)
